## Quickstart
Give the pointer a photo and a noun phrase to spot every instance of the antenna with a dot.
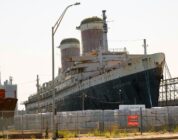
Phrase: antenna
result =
(10, 80)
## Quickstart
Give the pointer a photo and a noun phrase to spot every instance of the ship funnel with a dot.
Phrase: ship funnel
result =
(69, 47)
(92, 34)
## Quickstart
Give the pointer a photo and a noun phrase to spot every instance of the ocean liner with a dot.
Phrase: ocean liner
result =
(99, 78)
(8, 98)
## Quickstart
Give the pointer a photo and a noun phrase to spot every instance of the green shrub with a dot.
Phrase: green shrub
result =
(67, 134)
(175, 129)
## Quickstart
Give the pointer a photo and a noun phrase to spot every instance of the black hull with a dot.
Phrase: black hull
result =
(138, 88)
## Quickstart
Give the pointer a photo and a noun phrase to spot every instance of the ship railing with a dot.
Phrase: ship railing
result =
(65, 84)
(117, 49)
(48, 85)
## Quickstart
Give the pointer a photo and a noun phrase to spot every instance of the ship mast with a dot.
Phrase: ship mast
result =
(145, 46)
(104, 42)
(37, 83)
(38, 87)
(105, 30)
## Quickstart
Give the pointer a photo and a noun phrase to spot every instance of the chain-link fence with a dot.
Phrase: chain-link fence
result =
(6, 120)
(84, 121)
(155, 119)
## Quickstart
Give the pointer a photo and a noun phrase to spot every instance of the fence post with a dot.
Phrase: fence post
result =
(77, 126)
(22, 125)
(3, 124)
(103, 120)
(41, 120)
(57, 135)
(141, 123)
(169, 124)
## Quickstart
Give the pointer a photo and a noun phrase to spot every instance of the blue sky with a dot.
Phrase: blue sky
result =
(25, 33)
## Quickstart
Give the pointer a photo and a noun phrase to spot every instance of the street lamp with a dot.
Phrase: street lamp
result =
(54, 29)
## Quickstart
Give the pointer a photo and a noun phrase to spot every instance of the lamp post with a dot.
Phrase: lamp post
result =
(54, 29)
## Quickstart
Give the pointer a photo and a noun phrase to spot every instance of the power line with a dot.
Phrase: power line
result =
(27, 82)
(134, 40)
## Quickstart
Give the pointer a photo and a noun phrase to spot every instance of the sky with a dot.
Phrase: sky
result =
(25, 34)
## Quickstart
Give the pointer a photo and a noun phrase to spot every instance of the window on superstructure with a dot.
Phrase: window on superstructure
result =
(129, 64)
(80, 70)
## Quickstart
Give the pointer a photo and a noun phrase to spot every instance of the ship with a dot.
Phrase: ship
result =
(99, 78)
(8, 98)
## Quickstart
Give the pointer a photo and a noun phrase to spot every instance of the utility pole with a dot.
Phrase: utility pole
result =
(146, 73)
(54, 29)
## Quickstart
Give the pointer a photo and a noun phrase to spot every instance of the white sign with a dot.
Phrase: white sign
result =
(131, 107)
